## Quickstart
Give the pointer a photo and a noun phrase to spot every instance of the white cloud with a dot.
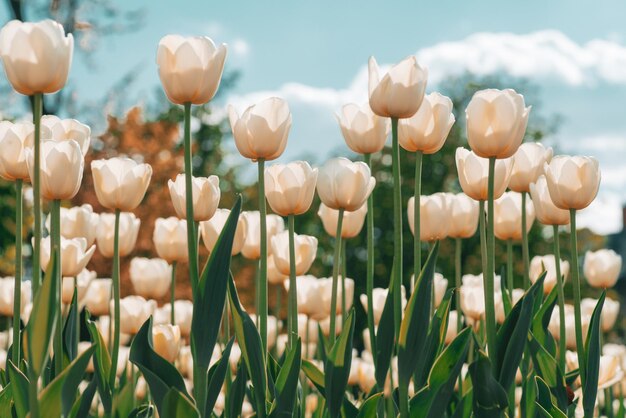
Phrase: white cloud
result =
(240, 47)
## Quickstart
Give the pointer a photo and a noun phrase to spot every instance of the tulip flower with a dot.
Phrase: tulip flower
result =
(463, 220)
(129, 229)
(274, 276)
(440, 285)
(379, 297)
(184, 312)
(79, 222)
(120, 183)
(427, 130)
(7, 291)
(453, 329)
(351, 224)
(496, 122)
(59, 130)
(205, 194)
(308, 296)
(150, 277)
(546, 211)
(434, 216)
(98, 297)
(363, 130)
(602, 268)
(36, 56)
(190, 68)
(473, 174)
(166, 341)
(61, 169)
(609, 314)
(15, 138)
(170, 239)
(400, 92)
(134, 311)
(290, 188)
(325, 295)
(83, 282)
(528, 165)
(251, 248)
(508, 216)
(516, 295)
(305, 251)
(211, 229)
(342, 184)
(74, 255)
(547, 263)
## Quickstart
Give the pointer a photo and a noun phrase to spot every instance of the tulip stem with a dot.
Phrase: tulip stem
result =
(525, 255)
(488, 276)
(417, 243)
(333, 298)
(292, 319)
(17, 295)
(262, 283)
(173, 294)
(55, 236)
(37, 110)
(33, 391)
(369, 285)
(115, 276)
(483, 233)
(192, 243)
(509, 268)
(458, 249)
(344, 274)
(397, 226)
(561, 297)
(580, 348)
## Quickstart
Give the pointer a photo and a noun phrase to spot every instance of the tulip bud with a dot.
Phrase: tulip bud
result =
(474, 174)
(289, 188)
(528, 165)
(211, 230)
(463, 220)
(573, 182)
(59, 130)
(183, 312)
(105, 236)
(79, 222)
(120, 183)
(14, 139)
(251, 248)
(325, 294)
(546, 263)
(452, 330)
(307, 329)
(205, 193)
(305, 251)
(190, 68)
(400, 92)
(351, 224)
(74, 255)
(427, 130)
(151, 277)
(602, 268)
(499, 304)
(36, 56)
(83, 282)
(379, 297)
(62, 165)
(166, 341)
(343, 184)
(496, 122)
(170, 239)
(609, 314)
(434, 216)
(134, 311)
(363, 130)
(7, 291)
(546, 211)
(440, 284)
(98, 297)
(262, 130)
(274, 276)
(307, 295)
(507, 211)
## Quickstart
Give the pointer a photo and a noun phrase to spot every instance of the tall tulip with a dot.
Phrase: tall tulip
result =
(305, 247)
(150, 276)
(67, 129)
(210, 230)
(75, 254)
(508, 216)
(79, 222)
(547, 263)
(205, 196)
(98, 296)
(167, 341)
(169, 238)
(602, 268)
(573, 184)
(351, 225)
(127, 238)
(434, 219)
(251, 248)
(364, 131)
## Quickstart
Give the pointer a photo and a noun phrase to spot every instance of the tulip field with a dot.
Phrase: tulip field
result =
(486, 345)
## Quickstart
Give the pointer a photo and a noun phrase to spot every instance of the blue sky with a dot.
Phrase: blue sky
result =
(314, 55)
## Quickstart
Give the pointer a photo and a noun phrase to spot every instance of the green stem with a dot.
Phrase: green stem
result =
(333, 298)
(509, 268)
(263, 261)
(115, 276)
(369, 285)
(76, 317)
(32, 396)
(397, 226)
(417, 243)
(483, 233)
(525, 255)
(561, 297)
(17, 295)
(488, 276)
(192, 242)
(200, 385)
(580, 348)
(173, 295)
(458, 250)
(344, 274)
(292, 319)
(37, 110)
(55, 236)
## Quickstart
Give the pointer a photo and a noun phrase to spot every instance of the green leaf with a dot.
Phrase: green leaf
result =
(43, 319)
(490, 398)
(369, 407)
(545, 400)
(217, 373)
(385, 338)
(161, 376)
(315, 375)
(464, 406)
(142, 411)
(210, 296)
(82, 405)
(20, 384)
(70, 336)
(234, 398)
(415, 323)
(102, 365)
(177, 404)
(593, 350)
(287, 383)
(542, 320)
(6, 401)
(337, 367)
(123, 402)
(251, 348)
(547, 368)
(432, 400)
(506, 298)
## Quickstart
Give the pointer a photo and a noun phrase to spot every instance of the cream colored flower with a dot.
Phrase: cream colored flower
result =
(205, 192)
(546, 263)
(120, 183)
(211, 229)
(379, 297)
(151, 277)
(363, 130)
(463, 220)
(59, 130)
(79, 222)
(129, 229)
(528, 165)
(546, 211)
(290, 188)
(343, 184)
(427, 130)
(170, 239)
(134, 311)
(351, 224)
(166, 341)
(602, 268)
(573, 182)
(98, 296)
(7, 293)
(434, 216)
(326, 290)
(474, 174)
(508, 216)
(83, 282)
(183, 312)
(62, 165)
(14, 139)
(251, 248)
(74, 255)
(305, 251)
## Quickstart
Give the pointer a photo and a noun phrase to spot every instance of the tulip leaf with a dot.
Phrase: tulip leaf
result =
(217, 373)
(506, 297)
(593, 350)
(20, 384)
(337, 367)
(43, 319)
(541, 321)
(251, 348)
(513, 334)
(177, 404)
(70, 330)
(210, 295)
(235, 396)
(124, 398)
(369, 407)
(287, 383)
(6, 401)
(58, 397)
(385, 338)
(315, 375)
(161, 376)
(432, 400)
(546, 367)
(142, 411)
(82, 405)
(545, 400)
(415, 323)
(102, 365)
(490, 399)
(464, 405)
